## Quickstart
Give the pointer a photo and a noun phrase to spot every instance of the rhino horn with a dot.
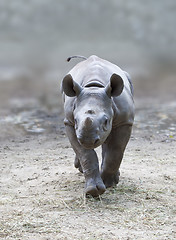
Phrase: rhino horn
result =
(88, 122)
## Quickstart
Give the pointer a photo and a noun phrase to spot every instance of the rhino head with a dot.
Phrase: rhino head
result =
(93, 112)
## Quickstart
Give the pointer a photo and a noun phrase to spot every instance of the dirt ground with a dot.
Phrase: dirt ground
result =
(41, 193)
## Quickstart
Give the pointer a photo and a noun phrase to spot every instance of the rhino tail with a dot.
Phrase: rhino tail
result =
(76, 56)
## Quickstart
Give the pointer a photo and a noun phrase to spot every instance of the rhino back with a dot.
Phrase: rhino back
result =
(96, 68)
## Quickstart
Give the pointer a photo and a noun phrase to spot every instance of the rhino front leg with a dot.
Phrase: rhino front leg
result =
(88, 161)
(112, 154)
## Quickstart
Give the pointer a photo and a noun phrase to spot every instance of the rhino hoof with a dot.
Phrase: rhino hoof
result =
(94, 190)
(110, 180)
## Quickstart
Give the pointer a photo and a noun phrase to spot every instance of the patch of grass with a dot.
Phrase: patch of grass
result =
(128, 189)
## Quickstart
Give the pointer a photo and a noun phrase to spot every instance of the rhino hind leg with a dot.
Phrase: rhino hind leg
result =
(112, 154)
(77, 164)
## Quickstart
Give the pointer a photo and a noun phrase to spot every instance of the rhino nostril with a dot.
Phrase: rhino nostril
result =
(80, 140)
(96, 140)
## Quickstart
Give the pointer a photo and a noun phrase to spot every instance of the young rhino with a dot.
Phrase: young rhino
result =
(99, 110)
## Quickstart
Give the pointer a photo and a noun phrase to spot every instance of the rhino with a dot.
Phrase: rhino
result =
(99, 111)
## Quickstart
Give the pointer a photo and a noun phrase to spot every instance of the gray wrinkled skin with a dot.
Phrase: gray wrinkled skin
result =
(99, 110)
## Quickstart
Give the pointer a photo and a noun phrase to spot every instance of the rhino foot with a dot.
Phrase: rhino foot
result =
(110, 180)
(78, 165)
(94, 187)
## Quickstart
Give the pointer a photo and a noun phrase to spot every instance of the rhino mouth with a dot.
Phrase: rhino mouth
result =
(89, 145)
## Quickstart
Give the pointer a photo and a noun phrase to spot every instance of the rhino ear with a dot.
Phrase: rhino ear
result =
(115, 86)
(70, 87)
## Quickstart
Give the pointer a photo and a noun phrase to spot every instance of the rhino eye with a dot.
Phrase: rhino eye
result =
(105, 125)
(106, 122)
(76, 124)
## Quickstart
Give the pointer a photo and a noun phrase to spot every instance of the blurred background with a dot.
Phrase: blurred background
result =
(36, 37)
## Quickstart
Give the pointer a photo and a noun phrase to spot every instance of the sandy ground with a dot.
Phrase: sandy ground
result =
(41, 193)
